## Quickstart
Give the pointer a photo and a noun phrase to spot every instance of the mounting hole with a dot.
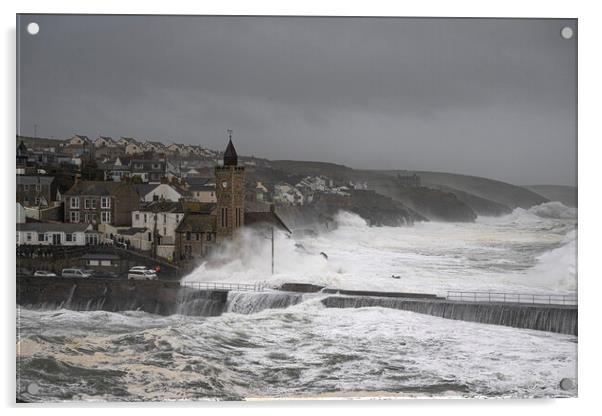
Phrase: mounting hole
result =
(33, 28)
(566, 32)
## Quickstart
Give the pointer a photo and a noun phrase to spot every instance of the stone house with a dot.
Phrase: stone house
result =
(36, 191)
(148, 170)
(96, 202)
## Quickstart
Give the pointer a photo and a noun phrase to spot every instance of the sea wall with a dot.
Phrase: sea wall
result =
(159, 297)
(552, 318)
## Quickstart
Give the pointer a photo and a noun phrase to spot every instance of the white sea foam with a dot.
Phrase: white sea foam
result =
(527, 250)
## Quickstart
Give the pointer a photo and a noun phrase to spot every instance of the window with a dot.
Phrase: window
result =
(94, 204)
(37, 201)
(75, 202)
(86, 217)
(188, 235)
(28, 237)
(145, 218)
(74, 216)
(86, 203)
(177, 218)
(73, 237)
(105, 202)
(41, 237)
(105, 217)
(137, 217)
(38, 187)
(68, 237)
(208, 236)
(92, 262)
(198, 236)
(105, 262)
(156, 166)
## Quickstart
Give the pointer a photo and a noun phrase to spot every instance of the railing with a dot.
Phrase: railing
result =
(538, 299)
(256, 287)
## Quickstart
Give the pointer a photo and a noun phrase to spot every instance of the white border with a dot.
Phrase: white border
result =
(590, 92)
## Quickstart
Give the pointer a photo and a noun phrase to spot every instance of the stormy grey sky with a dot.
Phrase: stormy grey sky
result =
(485, 97)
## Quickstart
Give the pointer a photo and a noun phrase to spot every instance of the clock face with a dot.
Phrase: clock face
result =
(224, 184)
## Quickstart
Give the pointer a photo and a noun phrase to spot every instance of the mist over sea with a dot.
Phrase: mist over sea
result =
(311, 351)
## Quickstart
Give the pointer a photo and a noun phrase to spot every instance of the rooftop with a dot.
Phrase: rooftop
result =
(34, 180)
(43, 227)
(99, 188)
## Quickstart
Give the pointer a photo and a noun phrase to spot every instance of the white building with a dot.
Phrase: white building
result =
(287, 194)
(161, 192)
(46, 234)
(133, 148)
(162, 216)
(103, 141)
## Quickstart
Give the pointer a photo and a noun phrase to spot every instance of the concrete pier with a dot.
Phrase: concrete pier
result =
(113, 295)
(552, 318)
(168, 297)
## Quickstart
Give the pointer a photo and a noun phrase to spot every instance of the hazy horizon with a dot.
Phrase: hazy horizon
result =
(494, 98)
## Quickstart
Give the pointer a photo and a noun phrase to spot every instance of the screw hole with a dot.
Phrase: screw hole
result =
(33, 28)
(566, 32)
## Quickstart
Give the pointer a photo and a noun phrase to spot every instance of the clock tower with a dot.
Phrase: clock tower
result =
(230, 193)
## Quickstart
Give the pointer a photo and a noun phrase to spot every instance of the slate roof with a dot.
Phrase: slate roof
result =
(98, 188)
(132, 230)
(144, 189)
(100, 256)
(265, 218)
(43, 227)
(230, 156)
(34, 180)
(162, 206)
(208, 187)
(198, 223)
(199, 207)
(197, 181)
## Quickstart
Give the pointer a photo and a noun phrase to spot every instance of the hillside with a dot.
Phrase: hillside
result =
(565, 194)
(512, 196)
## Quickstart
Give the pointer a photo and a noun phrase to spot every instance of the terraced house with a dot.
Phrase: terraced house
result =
(97, 202)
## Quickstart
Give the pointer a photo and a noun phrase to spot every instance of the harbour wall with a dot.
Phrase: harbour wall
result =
(113, 295)
(552, 318)
(168, 297)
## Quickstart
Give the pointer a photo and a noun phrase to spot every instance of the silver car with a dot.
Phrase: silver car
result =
(75, 273)
(142, 275)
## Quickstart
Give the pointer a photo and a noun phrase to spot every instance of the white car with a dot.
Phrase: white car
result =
(75, 273)
(142, 275)
(44, 273)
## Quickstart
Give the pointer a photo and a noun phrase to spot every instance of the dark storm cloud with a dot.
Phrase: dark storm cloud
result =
(493, 98)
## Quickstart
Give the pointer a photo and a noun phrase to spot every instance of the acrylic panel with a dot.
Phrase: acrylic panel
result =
(243, 207)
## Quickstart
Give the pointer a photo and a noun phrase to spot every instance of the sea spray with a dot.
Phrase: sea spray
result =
(493, 254)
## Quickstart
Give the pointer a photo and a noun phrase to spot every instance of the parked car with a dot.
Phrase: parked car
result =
(142, 275)
(44, 273)
(139, 268)
(75, 273)
(101, 274)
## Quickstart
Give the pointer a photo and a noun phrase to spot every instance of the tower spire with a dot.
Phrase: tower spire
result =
(230, 156)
